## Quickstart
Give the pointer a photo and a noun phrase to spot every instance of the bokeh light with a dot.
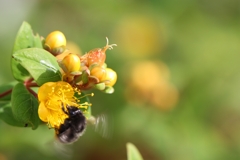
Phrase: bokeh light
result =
(139, 36)
(148, 84)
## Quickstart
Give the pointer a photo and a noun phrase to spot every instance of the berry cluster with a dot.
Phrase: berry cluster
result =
(50, 80)
(83, 72)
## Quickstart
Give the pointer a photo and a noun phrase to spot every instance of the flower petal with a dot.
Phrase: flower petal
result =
(43, 112)
(45, 90)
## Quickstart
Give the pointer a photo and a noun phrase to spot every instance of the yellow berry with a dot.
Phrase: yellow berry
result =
(99, 72)
(111, 77)
(72, 62)
(55, 42)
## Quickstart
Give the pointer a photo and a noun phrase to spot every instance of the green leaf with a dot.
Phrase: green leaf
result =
(24, 39)
(37, 42)
(84, 99)
(7, 116)
(25, 106)
(6, 88)
(4, 103)
(88, 112)
(133, 153)
(42, 66)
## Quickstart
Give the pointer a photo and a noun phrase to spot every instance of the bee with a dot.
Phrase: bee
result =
(73, 126)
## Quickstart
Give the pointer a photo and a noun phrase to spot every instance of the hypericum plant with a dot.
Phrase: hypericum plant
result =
(49, 78)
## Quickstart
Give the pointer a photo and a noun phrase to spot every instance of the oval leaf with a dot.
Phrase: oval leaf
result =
(84, 99)
(37, 42)
(7, 116)
(42, 66)
(24, 39)
(133, 153)
(25, 106)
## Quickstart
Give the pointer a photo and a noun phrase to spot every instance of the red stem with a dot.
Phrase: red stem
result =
(31, 85)
(5, 93)
(32, 92)
(28, 83)
(29, 80)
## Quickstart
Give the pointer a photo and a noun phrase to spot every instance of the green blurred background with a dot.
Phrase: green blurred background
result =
(178, 65)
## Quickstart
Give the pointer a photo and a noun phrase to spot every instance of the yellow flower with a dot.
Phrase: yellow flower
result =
(53, 97)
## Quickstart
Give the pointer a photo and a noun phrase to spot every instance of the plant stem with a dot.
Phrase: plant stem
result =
(5, 93)
(31, 85)
(28, 84)
(32, 92)
(29, 80)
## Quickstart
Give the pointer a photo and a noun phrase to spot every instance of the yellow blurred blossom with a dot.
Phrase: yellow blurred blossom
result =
(139, 36)
(74, 48)
(148, 83)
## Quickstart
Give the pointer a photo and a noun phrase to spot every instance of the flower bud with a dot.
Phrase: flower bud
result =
(72, 62)
(55, 42)
(111, 77)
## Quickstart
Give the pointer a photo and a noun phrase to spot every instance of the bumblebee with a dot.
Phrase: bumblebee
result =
(73, 126)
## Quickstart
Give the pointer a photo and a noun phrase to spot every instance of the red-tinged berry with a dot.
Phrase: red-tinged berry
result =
(96, 55)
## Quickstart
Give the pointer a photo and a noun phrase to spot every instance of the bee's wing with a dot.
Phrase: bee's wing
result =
(62, 150)
(103, 125)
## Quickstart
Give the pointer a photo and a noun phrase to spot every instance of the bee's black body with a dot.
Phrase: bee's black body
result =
(73, 126)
